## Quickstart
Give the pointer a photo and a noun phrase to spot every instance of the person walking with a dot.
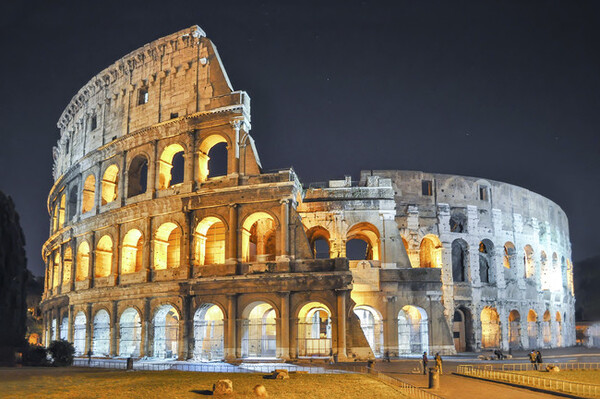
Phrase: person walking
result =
(538, 360)
(425, 363)
(438, 363)
(533, 359)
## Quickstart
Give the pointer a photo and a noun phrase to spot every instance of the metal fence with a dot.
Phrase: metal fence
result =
(562, 366)
(404, 387)
(576, 388)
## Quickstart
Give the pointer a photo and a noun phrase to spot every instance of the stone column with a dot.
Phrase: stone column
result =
(232, 237)
(235, 164)
(284, 326)
(184, 330)
(390, 326)
(341, 324)
(114, 329)
(88, 329)
(70, 333)
(145, 345)
(231, 324)
(285, 223)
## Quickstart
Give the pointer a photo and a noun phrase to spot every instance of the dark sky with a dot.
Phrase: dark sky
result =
(507, 90)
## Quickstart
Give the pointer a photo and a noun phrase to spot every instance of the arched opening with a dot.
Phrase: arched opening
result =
(54, 213)
(371, 324)
(110, 182)
(132, 252)
(544, 271)
(413, 331)
(104, 253)
(67, 264)
(83, 262)
(64, 328)
(89, 191)
(101, 334)
(486, 249)
(208, 333)
(514, 329)
(259, 238)
(509, 255)
(79, 329)
(314, 330)
(167, 246)
(362, 242)
(459, 260)
(532, 328)
(204, 158)
(72, 206)
(458, 221)
(430, 252)
(56, 270)
(137, 176)
(570, 282)
(318, 238)
(61, 210)
(53, 330)
(217, 163)
(490, 328)
(170, 166)
(130, 332)
(210, 241)
(259, 332)
(547, 329)
(558, 329)
(529, 261)
(166, 332)
(461, 329)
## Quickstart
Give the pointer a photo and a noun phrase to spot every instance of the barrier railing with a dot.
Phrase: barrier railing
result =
(576, 388)
(562, 366)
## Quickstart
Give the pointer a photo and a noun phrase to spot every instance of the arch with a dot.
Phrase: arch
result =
(104, 255)
(62, 203)
(462, 329)
(56, 269)
(209, 333)
(371, 324)
(204, 158)
(130, 333)
(490, 328)
(514, 329)
(79, 333)
(532, 328)
(167, 246)
(459, 260)
(259, 332)
(67, 264)
(318, 239)
(83, 261)
(547, 328)
(166, 332)
(209, 237)
(486, 250)
(314, 330)
(217, 160)
(64, 328)
(137, 176)
(72, 205)
(413, 331)
(528, 260)
(458, 221)
(166, 170)
(110, 182)
(430, 252)
(368, 233)
(259, 237)
(558, 320)
(53, 330)
(509, 255)
(101, 333)
(88, 194)
(132, 252)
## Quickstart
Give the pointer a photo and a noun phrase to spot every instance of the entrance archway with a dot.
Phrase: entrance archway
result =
(259, 331)
(166, 332)
(208, 333)
(101, 334)
(372, 326)
(314, 330)
(490, 328)
(532, 328)
(514, 329)
(413, 331)
(130, 330)
(79, 333)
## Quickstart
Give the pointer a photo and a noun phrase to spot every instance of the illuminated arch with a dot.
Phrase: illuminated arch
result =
(56, 270)
(413, 331)
(79, 333)
(83, 261)
(509, 255)
(368, 233)
(137, 176)
(165, 165)
(209, 237)
(558, 320)
(88, 194)
(490, 328)
(371, 324)
(203, 158)
(314, 330)
(110, 182)
(529, 261)
(430, 252)
(132, 252)
(318, 235)
(104, 255)
(61, 210)
(130, 332)
(532, 328)
(547, 328)
(259, 331)
(259, 237)
(167, 246)
(166, 332)
(209, 333)
(514, 329)
(67, 264)
(101, 333)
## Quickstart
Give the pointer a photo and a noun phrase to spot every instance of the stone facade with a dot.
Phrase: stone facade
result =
(152, 253)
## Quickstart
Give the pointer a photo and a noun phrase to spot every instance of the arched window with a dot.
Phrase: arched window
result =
(89, 192)
(137, 176)
(514, 329)
(101, 334)
(490, 328)
(459, 260)
(485, 261)
(259, 332)
(413, 332)
(314, 330)
(167, 246)
(79, 329)
(369, 235)
(67, 264)
(166, 332)
(259, 238)
(208, 333)
(532, 328)
(318, 239)
(371, 324)
(210, 241)
(104, 253)
(529, 262)
(61, 210)
(170, 166)
(130, 331)
(204, 157)
(430, 252)
(72, 207)
(83, 261)
(509, 255)
(458, 221)
(132, 252)
(56, 270)
(110, 181)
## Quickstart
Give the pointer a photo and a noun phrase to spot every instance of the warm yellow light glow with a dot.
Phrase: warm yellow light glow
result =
(430, 252)
(368, 233)
(165, 164)
(67, 264)
(61, 211)
(529, 262)
(89, 190)
(103, 261)
(203, 157)
(110, 181)
(210, 241)
(258, 237)
(55, 269)
(131, 259)
(167, 244)
(490, 328)
(509, 253)
(83, 261)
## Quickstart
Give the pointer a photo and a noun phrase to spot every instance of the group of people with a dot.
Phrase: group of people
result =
(535, 357)
(438, 362)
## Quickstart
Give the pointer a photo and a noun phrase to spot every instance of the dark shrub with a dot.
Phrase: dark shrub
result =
(34, 355)
(62, 352)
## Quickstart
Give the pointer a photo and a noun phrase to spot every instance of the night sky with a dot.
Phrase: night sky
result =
(506, 90)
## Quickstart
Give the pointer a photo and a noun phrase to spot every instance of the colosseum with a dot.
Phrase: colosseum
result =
(169, 241)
